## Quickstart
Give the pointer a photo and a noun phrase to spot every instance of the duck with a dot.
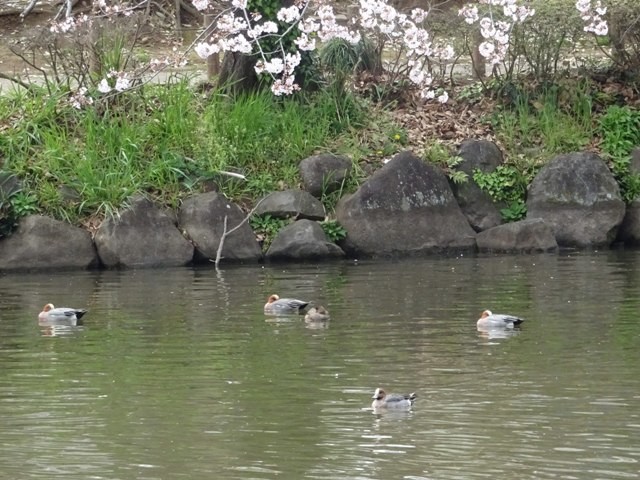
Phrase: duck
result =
(497, 320)
(284, 306)
(317, 314)
(381, 399)
(66, 315)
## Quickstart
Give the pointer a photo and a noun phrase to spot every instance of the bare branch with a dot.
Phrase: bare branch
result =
(28, 8)
(226, 233)
(221, 244)
(66, 7)
(24, 85)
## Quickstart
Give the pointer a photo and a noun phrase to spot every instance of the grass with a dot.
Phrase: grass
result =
(166, 141)
(552, 121)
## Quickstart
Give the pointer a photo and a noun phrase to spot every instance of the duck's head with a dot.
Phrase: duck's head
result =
(321, 310)
(379, 394)
(486, 313)
(47, 307)
(273, 298)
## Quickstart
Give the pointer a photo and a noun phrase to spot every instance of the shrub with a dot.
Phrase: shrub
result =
(548, 41)
(624, 33)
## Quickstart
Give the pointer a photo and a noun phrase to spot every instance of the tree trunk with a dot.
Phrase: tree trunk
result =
(213, 61)
(237, 74)
(479, 63)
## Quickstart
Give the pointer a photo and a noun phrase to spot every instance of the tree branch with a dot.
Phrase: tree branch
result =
(26, 86)
(226, 233)
(66, 7)
(189, 8)
(28, 8)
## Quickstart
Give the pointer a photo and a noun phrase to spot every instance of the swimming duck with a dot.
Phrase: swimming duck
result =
(497, 320)
(284, 306)
(392, 400)
(66, 315)
(317, 314)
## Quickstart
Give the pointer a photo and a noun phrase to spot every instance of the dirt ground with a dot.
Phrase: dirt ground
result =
(160, 40)
(13, 29)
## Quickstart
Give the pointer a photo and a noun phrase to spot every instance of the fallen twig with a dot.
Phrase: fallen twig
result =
(226, 233)
(24, 85)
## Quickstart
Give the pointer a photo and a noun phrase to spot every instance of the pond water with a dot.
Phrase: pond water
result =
(178, 373)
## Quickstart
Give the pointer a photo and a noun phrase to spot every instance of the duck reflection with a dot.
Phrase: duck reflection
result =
(59, 330)
(496, 333)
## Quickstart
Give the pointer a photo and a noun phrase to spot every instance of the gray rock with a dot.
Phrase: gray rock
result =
(477, 205)
(579, 198)
(405, 208)
(142, 236)
(41, 242)
(522, 237)
(201, 216)
(324, 173)
(291, 203)
(634, 165)
(303, 240)
(629, 232)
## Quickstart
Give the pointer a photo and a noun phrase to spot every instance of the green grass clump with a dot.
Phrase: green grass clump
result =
(555, 120)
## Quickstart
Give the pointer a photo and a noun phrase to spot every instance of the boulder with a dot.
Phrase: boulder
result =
(634, 164)
(142, 236)
(405, 208)
(476, 204)
(291, 203)
(520, 237)
(629, 232)
(579, 198)
(202, 216)
(302, 240)
(324, 173)
(41, 242)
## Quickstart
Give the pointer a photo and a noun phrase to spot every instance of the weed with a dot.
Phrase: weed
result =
(620, 131)
(266, 227)
(438, 154)
(515, 211)
(557, 119)
(23, 204)
(508, 184)
(333, 230)
(472, 93)
(329, 198)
